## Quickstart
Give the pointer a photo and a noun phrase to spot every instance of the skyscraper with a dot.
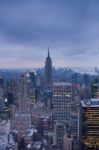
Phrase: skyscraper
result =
(27, 93)
(59, 135)
(94, 89)
(23, 94)
(62, 95)
(89, 125)
(26, 97)
(48, 71)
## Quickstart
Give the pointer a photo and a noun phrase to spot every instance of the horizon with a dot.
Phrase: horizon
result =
(81, 70)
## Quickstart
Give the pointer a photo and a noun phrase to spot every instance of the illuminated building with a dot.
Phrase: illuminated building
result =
(31, 85)
(89, 124)
(62, 94)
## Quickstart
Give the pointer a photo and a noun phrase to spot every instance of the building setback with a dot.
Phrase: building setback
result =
(48, 71)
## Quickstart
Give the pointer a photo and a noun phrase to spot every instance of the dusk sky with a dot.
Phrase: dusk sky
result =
(69, 27)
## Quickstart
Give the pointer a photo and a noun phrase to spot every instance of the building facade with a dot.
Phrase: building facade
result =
(62, 94)
(59, 136)
(89, 125)
(26, 94)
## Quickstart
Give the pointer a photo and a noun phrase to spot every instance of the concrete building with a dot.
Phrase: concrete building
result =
(62, 95)
(67, 142)
(2, 90)
(22, 95)
(75, 118)
(5, 128)
(27, 94)
(21, 123)
(2, 104)
(59, 136)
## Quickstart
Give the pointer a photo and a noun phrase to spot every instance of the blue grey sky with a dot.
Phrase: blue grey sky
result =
(69, 27)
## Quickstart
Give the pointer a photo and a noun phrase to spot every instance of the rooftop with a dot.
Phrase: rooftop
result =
(62, 84)
(90, 103)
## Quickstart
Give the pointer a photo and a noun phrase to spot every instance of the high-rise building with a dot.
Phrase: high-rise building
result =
(2, 104)
(89, 125)
(33, 79)
(5, 129)
(1, 86)
(67, 142)
(2, 92)
(59, 135)
(23, 95)
(1, 81)
(21, 122)
(62, 95)
(95, 89)
(22, 118)
(74, 120)
(27, 93)
(48, 71)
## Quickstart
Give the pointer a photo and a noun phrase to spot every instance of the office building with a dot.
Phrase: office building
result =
(33, 79)
(1, 104)
(62, 94)
(67, 142)
(75, 117)
(21, 123)
(23, 94)
(95, 89)
(89, 125)
(5, 128)
(59, 135)
(27, 94)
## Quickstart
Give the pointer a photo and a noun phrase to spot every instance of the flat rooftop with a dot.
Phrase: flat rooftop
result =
(62, 84)
(90, 103)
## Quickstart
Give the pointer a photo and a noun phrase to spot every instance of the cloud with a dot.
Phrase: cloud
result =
(71, 28)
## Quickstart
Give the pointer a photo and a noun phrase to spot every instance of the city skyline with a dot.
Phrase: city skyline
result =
(69, 28)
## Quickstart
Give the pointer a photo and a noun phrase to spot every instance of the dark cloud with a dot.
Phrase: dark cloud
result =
(71, 28)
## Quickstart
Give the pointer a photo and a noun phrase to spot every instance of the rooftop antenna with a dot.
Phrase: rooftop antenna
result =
(48, 52)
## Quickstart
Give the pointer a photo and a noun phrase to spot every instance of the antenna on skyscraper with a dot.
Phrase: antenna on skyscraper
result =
(48, 52)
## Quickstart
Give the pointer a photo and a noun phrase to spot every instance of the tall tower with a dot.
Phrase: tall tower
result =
(48, 71)
(23, 94)
(89, 124)
(62, 95)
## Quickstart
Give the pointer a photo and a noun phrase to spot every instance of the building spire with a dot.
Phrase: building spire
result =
(48, 52)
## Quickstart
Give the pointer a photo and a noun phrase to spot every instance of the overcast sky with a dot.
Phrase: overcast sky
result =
(69, 27)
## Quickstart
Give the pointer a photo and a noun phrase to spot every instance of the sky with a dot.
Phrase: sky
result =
(69, 27)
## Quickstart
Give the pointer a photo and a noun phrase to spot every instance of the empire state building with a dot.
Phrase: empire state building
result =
(48, 71)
